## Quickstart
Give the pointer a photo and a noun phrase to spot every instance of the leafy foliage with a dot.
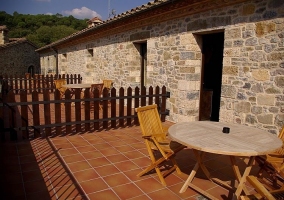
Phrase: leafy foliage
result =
(41, 29)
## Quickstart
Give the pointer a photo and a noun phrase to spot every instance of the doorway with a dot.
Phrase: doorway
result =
(143, 61)
(211, 76)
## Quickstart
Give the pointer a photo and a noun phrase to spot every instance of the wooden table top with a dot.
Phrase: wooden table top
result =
(207, 136)
(78, 85)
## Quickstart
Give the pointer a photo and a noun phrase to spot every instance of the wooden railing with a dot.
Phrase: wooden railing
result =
(26, 116)
(37, 82)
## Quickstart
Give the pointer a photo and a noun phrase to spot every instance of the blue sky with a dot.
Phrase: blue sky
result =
(80, 9)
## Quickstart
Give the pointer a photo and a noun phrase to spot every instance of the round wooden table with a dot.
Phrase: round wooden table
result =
(208, 136)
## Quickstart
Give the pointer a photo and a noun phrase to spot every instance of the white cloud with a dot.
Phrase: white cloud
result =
(82, 13)
(49, 13)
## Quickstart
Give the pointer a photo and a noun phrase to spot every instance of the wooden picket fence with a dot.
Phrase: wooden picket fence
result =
(26, 116)
(38, 82)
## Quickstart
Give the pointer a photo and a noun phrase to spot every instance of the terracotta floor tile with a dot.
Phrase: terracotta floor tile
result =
(221, 193)
(107, 170)
(67, 192)
(117, 143)
(149, 185)
(28, 158)
(132, 175)
(15, 190)
(133, 154)
(11, 168)
(126, 166)
(42, 195)
(124, 148)
(93, 185)
(51, 162)
(26, 151)
(64, 145)
(142, 162)
(12, 178)
(141, 197)
(132, 191)
(35, 186)
(80, 144)
(78, 166)
(32, 175)
(116, 179)
(85, 175)
(131, 141)
(163, 194)
(73, 158)
(55, 170)
(96, 142)
(173, 179)
(102, 145)
(116, 158)
(188, 193)
(92, 154)
(105, 194)
(67, 152)
(109, 151)
(104, 165)
(88, 148)
(57, 181)
(101, 161)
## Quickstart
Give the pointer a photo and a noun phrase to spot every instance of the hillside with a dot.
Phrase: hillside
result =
(41, 29)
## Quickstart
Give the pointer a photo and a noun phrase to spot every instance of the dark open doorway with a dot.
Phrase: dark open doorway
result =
(143, 61)
(212, 62)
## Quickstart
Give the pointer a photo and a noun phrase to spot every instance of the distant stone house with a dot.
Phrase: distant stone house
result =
(221, 60)
(17, 55)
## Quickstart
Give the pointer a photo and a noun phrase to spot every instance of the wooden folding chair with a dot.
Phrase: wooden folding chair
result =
(159, 147)
(99, 87)
(108, 84)
(273, 164)
(262, 192)
(59, 86)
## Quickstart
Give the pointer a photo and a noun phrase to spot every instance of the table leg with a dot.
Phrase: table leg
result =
(199, 163)
(241, 178)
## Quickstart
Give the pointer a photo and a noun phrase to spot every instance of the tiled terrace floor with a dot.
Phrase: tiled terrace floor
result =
(100, 165)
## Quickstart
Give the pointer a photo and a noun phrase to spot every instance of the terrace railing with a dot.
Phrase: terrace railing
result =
(26, 116)
(38, 82)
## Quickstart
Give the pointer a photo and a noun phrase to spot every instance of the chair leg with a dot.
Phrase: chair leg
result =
(161, 176)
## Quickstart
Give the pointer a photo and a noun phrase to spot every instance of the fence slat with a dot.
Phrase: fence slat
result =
(113, 107)
(105, 107)
(136, 104)
(24, 114)
(47, 112)
(163, 103)
(87, 108)
(57, 116)
(129, 106)
(121, 107)
(36, 116)
(36, 82)
(78, 109)
(68, 113)
(57, 112)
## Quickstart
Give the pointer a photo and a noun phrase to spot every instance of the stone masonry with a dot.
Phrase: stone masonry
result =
(253, 61)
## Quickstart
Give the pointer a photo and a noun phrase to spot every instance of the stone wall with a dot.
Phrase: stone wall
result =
(253, 66)
(16, 59)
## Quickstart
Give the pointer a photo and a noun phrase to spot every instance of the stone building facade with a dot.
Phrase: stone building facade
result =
(248, 34)
(17, 55)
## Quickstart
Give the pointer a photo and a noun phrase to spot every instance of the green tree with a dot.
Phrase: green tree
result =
(41, 29)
